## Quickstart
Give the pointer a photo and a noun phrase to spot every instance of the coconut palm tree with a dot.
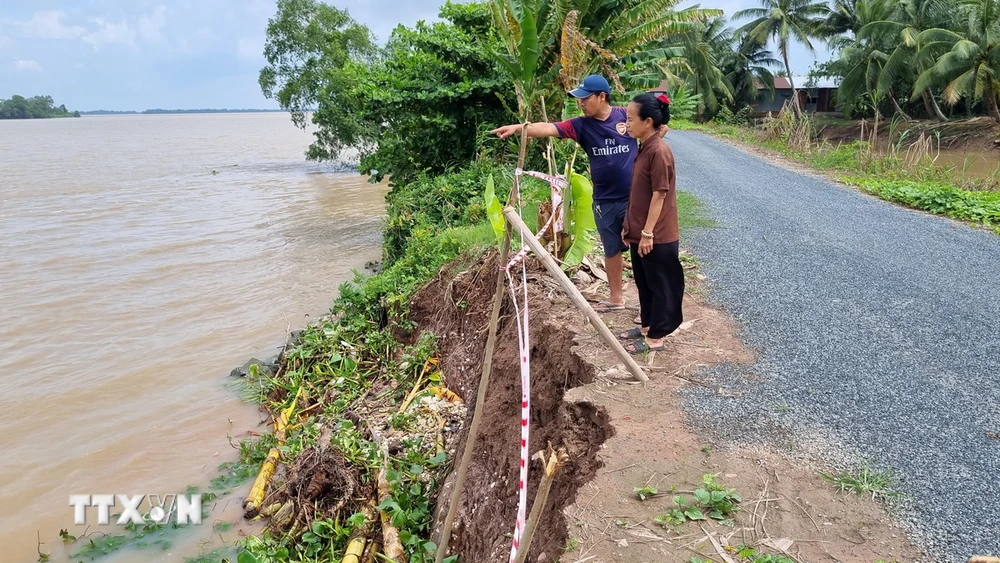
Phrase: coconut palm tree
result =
(785, 21)
(863, 61)
(747, 67)
(908, 19)
(701, 48)
(842, 20)
(969, 61)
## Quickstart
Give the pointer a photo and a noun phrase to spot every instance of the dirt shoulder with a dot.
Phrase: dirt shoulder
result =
(620, 435)
(787, 507)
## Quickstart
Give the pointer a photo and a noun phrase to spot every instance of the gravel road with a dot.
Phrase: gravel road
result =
(877, 330)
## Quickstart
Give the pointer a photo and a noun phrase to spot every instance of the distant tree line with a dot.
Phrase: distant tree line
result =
(157, 111)
(36, 107)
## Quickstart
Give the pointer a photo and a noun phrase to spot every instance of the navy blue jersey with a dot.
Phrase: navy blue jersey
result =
(610, 150)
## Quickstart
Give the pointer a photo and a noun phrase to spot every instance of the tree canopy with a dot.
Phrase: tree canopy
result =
(414, 106)
(35, 107)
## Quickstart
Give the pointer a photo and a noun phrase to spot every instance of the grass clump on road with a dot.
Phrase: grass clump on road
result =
(867, 481)
(691, 212)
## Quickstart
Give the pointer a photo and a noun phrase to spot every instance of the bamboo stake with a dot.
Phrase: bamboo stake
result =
(356, 547)
(541, 497)
(574, 294)
(252, 504)
(392, 547)
(484, 379)
(550, 158)
(416, 387)
(373, 550)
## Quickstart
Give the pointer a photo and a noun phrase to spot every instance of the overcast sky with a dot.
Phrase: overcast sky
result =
(139, 54)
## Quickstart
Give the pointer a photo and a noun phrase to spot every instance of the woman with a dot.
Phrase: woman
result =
(651, 228)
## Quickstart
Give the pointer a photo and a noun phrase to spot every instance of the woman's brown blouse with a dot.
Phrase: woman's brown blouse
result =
(653, 171)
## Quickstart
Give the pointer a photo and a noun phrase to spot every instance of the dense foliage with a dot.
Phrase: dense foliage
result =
(36, 107)
(907, 56)
(432, 92)
(415, 106)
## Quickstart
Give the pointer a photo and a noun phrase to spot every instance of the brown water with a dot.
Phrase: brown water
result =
(141, 258)
(970, 164)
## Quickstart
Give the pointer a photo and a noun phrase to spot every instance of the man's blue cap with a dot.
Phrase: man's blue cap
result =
(591, 85)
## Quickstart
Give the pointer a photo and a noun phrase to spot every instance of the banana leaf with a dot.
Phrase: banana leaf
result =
(494, 210)
(528, 47)
(581, 218)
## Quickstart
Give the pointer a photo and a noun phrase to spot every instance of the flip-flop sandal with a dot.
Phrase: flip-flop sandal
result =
(605, 306)
(640, 346)
(632, 334)
(637, 320)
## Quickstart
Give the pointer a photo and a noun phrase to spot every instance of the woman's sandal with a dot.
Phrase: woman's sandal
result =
(640, 346)
(631, 334)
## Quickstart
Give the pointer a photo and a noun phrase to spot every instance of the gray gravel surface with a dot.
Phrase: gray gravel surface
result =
(877, 330)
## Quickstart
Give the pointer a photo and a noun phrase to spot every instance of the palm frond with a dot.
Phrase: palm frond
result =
(964, 83)
(646, 33)
(984, 76)
(877, 29)
(895, 68)
(754, 13)
(634, 16)
(938, 35)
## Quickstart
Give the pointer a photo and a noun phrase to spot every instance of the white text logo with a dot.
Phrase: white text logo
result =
(157, 509)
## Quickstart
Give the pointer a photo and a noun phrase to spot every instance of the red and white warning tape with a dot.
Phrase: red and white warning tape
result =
(524, 348)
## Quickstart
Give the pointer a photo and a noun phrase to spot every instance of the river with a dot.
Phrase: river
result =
(143, 257)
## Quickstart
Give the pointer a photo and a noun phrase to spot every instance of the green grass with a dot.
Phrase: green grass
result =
(866, 481)
(691, 212)
(942, 199)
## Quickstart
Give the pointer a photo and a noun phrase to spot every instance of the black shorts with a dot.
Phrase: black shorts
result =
(610, 219)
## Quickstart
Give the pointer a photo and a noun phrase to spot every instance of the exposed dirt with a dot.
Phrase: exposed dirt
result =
(979, 134)
(457, 307)
(578, 392)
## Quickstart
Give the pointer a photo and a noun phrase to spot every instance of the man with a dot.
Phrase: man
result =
(602, 135)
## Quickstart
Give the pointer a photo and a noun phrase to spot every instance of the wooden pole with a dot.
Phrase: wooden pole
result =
(574, 294)
(484, 380)
(541, 497)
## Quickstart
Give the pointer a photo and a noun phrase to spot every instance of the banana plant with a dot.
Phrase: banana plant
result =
(578, 202)
(517, 22)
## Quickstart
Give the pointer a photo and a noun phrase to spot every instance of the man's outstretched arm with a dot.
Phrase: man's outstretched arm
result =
(535, 130)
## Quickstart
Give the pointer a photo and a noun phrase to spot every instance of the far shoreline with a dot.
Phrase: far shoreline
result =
(176, 112)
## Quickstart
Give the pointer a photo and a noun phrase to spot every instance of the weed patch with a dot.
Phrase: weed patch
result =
(878, 484)
(711, 500)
